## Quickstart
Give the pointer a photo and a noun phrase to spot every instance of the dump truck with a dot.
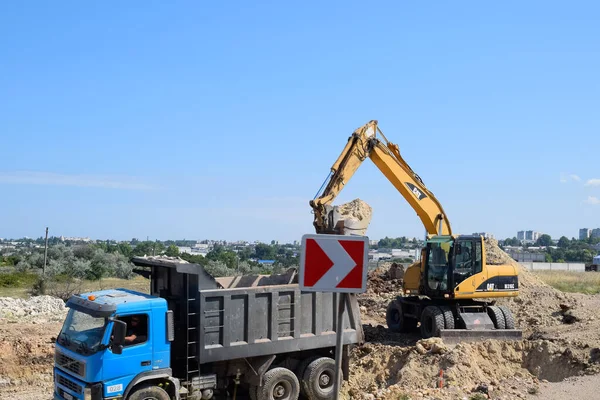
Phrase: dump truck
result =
(451, 291)
(194, 336)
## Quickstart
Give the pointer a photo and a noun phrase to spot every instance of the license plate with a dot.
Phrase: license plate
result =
(67, 396)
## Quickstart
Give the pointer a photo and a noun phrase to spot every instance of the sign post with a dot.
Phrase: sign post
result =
(335, 263)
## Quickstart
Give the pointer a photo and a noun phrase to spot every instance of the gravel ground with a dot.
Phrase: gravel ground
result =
(584, 388)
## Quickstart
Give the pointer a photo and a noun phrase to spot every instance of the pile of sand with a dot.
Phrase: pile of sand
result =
(386, 371)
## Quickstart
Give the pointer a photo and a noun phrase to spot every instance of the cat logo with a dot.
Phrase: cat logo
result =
(491, 286)
(415, 190)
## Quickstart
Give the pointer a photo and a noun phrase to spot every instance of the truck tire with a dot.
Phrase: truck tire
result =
(509, 320)
(301, 369)
(395, 319)
(497, 317)
(279, 384)
(319, 379)
(150, 393)
(252, 392)
(432, 321)
(448, 317)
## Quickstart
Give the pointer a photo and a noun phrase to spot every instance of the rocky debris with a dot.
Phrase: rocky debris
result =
(40, 308)
(353, 217)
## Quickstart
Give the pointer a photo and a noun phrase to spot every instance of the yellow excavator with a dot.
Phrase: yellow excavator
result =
(452, 290)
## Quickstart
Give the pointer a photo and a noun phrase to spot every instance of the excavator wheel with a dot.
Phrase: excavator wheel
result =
(395, 319)
(432, 321)
(497, 317)
(508, 317)
(448, 317)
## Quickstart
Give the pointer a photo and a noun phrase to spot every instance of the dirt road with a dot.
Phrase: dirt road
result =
(582, 388)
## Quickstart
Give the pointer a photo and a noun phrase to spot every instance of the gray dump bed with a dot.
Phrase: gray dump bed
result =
(229, 318)
(264, 320)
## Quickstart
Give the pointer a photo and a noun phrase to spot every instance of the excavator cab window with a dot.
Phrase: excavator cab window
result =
(467, 261)
(438, 264)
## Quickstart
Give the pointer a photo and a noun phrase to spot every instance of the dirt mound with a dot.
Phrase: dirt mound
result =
(388, 370)
(538, 304)
(494, 255)
(383, 284)
(26, 359)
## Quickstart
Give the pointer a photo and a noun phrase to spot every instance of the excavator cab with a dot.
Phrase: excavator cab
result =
(448, 263)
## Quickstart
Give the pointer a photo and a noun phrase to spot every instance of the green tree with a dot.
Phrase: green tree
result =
(125, 249)
(563, 242)
(264, 252)
(544, 240)
(172, 251)
(148, 248)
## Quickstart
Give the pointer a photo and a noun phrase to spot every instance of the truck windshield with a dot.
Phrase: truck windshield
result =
(82, 332)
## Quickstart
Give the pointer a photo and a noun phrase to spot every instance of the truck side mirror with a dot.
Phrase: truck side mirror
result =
(119, 330)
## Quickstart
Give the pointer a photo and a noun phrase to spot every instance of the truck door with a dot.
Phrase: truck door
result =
(137, 350)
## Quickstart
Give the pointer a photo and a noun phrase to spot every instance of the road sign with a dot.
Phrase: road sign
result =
(334, 263)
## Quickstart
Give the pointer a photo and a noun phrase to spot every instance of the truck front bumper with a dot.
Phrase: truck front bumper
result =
(67, 387)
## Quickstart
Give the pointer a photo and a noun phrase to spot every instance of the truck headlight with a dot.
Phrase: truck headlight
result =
(87, 393)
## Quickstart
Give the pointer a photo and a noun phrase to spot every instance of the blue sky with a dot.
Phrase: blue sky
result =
(196, 120)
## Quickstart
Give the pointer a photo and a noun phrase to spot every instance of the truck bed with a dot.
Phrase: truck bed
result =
(264, 320)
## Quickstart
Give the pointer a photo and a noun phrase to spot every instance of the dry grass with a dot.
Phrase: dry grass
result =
(572, 282)
(138, 283)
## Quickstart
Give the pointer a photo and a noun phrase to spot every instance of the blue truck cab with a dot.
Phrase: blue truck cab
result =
(110, 343)
(196, 337)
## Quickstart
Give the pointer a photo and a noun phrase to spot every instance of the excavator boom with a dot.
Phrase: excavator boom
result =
(364, 144)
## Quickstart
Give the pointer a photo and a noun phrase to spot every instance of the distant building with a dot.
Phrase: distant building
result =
(373, 242)
(75, 239)
(596, 233)
(532, 236)
(484, 234)
(521, 235)
(584, 233)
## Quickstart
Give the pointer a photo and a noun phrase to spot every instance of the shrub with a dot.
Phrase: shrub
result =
(17, 280)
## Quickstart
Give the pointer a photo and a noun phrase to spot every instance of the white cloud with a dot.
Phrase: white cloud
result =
(564, 178)
(49, 178)
(593, 182)
(593, 200)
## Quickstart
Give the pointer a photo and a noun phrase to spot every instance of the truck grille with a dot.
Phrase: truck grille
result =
(70, 364)
(69, 384)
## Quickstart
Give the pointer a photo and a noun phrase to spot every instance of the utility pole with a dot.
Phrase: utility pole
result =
(45, 252)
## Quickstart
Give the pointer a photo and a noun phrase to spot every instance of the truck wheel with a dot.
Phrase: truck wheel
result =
(448, 317)
(394, 317)
(301, 369)
(509, 320)
(497, 317)
(432, 321)
(279, 384)
(150, 393)
(318, 380)
(252, 392)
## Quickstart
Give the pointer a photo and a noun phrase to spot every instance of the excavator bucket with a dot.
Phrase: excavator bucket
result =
(478, 326)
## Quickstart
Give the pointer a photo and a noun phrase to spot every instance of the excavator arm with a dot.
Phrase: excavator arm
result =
(364, 144)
